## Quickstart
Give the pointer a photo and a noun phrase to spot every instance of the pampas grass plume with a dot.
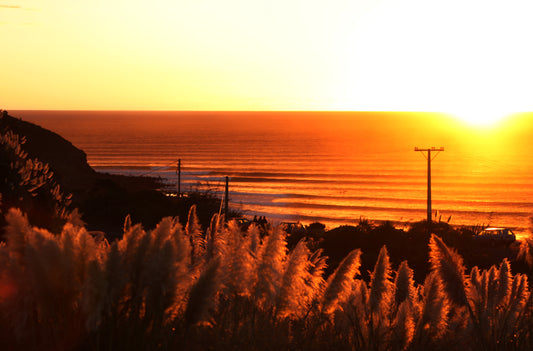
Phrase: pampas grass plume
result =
(382, 289)
(271, 266)
(239, 263)
(202, 297)
(526, 251)
(194, 232)
(339, 285)
(450, 269)
(15, 232)
(290, 300)
(403, 327)
(405, 288)
(505, 281)
(433, 322)
(315, 278)
(184, 248)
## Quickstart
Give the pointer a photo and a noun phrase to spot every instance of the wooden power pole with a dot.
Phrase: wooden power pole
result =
(226, 198)
(178, 170)
(429, 158)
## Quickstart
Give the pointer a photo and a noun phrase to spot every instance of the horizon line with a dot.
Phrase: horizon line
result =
(285, 111)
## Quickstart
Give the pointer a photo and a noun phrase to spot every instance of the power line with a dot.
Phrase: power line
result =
(155, 169)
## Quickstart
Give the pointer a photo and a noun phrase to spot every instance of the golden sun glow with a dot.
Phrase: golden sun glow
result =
(361, 55)
(481, 118)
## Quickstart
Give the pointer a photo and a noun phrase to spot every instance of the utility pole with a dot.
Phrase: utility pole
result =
(179, 177)
(226, 198)
(429, 158)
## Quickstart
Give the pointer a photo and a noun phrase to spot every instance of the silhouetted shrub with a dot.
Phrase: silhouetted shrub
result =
(29, 184)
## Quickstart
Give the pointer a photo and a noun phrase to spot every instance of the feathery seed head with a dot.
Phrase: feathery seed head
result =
(339, 285)
(202, 297)
(291, 297)
(505, 280)
(127, 224)
(15, 232)
(434, 318)
(450, 269)
(255, 239)
(183, 244)
(405, 289)
(271, 266)
(382, 289)
(316, 270)
(526, 251)
(403, 326)
(192, 227)
(239, 263)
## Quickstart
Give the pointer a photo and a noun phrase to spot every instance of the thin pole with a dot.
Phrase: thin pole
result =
(429, 189)
(179, 177)
(226, 198)
(429, 179)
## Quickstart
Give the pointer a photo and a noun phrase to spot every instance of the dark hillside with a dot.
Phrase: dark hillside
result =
(68, 163)
(104, 200)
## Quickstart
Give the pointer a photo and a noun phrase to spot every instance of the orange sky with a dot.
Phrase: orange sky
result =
(471, 58)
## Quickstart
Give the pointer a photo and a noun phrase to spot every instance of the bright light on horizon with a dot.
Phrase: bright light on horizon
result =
(471, 58)
(482, 118)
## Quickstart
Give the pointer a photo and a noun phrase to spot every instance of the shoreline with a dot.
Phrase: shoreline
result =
(162, 185)
(266, 201)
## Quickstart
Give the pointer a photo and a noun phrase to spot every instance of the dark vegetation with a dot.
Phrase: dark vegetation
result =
(30, 153)
(223, 288)
(403, 245)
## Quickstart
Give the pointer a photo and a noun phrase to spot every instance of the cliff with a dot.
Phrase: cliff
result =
(68, 163)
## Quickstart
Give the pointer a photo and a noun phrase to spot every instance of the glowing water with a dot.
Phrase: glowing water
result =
(326, 166)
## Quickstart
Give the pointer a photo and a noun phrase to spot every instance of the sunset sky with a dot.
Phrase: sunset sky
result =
(465, 57)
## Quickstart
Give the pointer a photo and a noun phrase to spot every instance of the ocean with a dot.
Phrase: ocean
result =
(331, 167)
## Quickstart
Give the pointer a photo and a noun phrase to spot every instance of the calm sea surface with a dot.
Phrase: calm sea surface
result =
(319, 166)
